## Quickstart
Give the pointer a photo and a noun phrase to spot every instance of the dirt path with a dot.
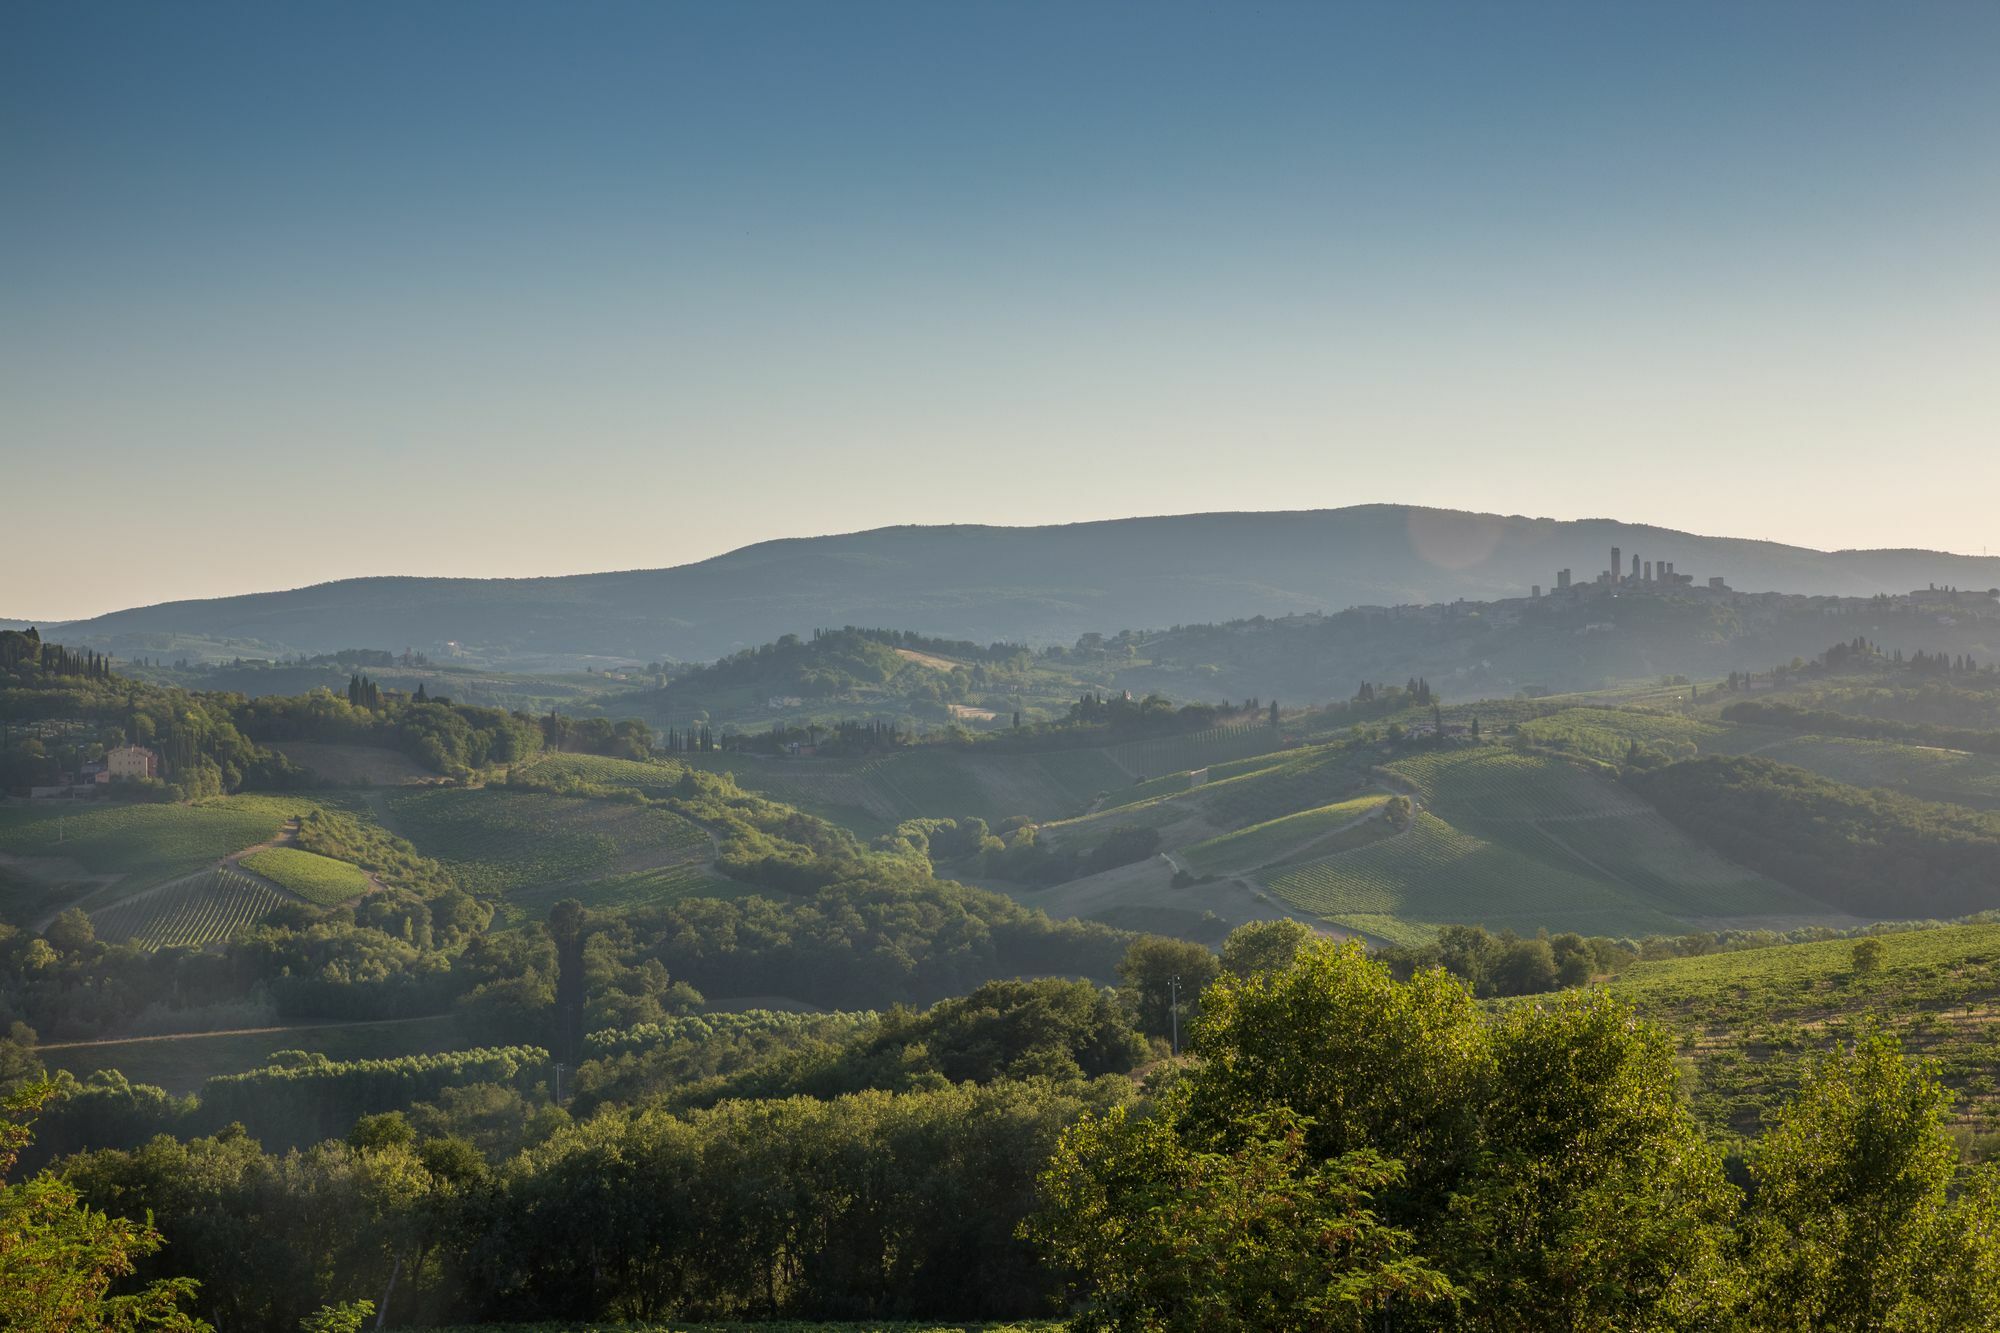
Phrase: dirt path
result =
(230, 1032)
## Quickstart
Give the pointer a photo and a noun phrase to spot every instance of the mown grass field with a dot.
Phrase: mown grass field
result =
(1749, 1018)
(315, 878)
(150, 844)
(207, 906)
(504, 842)
(180, 1064)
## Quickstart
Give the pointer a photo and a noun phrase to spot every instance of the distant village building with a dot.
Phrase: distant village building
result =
(131, 761)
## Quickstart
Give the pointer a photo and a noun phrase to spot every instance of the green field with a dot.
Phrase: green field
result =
(1525, 841)
(654, 780)
(1436, 874)
(1750, 1017)
(149, 844)
(1262, 844)
(180, 1064)
(640, 888)
(315, 878)
(503, 842)
(1180, 754)
(207, 906)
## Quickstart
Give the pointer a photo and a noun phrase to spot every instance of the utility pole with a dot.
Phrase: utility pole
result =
(1174, 1008)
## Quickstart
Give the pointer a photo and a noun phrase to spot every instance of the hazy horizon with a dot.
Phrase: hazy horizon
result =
(299, 294)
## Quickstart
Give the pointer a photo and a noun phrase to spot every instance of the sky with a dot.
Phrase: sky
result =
(298, 292)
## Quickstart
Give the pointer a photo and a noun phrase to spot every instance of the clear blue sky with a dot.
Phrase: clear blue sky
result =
(295, 291)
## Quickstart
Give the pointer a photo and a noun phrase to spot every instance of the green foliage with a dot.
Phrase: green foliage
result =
(1170, 1237)
(1854, 1227)
(1551, 1177)
(1264, 946)
(1164, 980)
(60, 1259)
(1065, 1031)
(347, 1317)
(337, 834)
(302, 1097)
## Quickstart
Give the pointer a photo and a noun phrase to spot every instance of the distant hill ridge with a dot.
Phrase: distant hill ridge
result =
(1036, 584)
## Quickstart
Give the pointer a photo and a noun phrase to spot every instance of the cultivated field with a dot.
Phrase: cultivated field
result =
(641, 888)
(1289, 836)
(1608, 733)
(1957, 777)
(1750, 1017)
(315, 878)
(503, 842)
(148, 844)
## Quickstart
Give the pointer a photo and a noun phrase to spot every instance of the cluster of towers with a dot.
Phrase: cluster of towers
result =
(1643, 573)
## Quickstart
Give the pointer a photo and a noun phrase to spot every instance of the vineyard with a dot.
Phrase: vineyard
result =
(1751, 1017)
(1437, 875)
(315, 878)
(1578, 820)
(1231, 796)
(1608, 733)
(641, 888)
(655, 780)
(1199, 749)
(1289, 835)
(1927, 773)
(501, 842)
(201, 909)
(149, 843)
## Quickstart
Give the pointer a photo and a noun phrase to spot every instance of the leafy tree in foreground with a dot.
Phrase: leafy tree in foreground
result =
(1854, 1226)
(58, 1258)
(1346, 1143)
(1261, 1237)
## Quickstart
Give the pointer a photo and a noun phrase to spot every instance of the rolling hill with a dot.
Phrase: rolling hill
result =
(1040, 584)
